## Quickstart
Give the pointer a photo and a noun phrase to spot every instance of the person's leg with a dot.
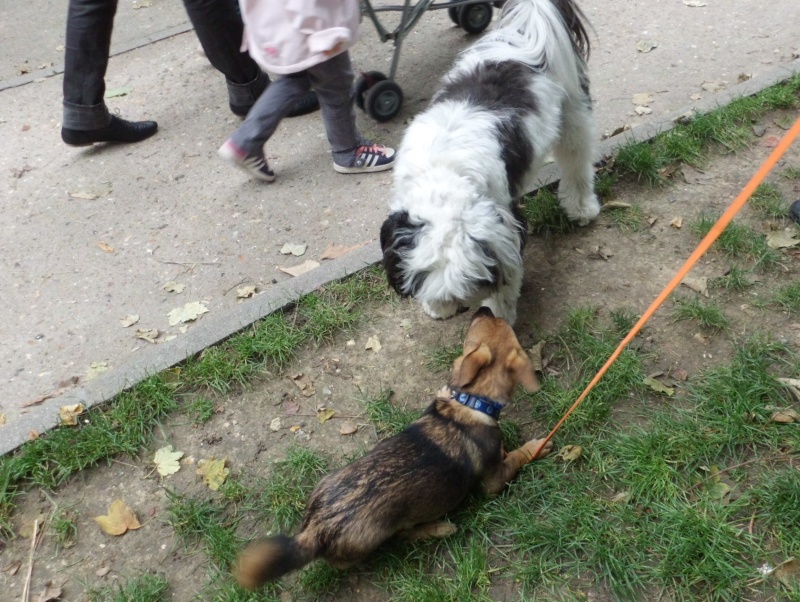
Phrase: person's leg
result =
(85, 116)
(245, 147)
(219, 28)
(333, 81)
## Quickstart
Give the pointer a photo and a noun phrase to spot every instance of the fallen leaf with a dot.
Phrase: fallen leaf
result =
(677, 223)
(213, 472)
(304, 383)
(405, 324)
(119, 519)
(96, 369)
(623, 497)
(600, 253)
(11, 568)
(103, 571)
(33, 435)
(569, 453)
(105, 247)
(696, 97)
(295, 428)
(275, 425)
(695, 3)
(640, 110)
(700, 337)
(373, 343)
(680, 374)
(697, 283)
(169, 337)
(25, 127)
(616, 205)
(166, 460)
(771, 141)
(324, 415)
(616, 131)
(49, 593)
(116, 92)
(297, 270)
(783, 239)
(3, 419)
(718, 489)
(658, 386)
(69, 414)
(173, 287)
(86, 196)
(643, 98)
(293, 249)
(347, 428)
(148, 335)
(246, 292)
(336, 251)
(535, 355)
(646, 46)
(187, 313)
(129, 320)
(743, 77)
(788, 573)
(31, 523)
(715, 86)
(787, 416)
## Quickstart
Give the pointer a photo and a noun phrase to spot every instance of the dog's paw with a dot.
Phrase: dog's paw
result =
(440, 310)
(588, 211)
(533, 445)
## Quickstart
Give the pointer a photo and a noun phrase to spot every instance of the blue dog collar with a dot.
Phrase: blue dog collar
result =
(481, 404)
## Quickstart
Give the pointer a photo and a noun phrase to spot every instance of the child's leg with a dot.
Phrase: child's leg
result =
(272, 106)
(333, 81)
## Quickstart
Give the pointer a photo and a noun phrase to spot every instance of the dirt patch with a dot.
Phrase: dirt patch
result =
(254, 428)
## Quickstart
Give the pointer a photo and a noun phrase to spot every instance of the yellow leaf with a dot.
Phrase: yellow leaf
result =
(105, 247)
(166, 460)
(2, 419)
(213, 472)
(569, 453)
(69, 414)
(324, 415)
(119, 519)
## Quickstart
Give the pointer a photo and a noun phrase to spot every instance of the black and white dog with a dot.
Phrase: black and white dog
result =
(453, 236)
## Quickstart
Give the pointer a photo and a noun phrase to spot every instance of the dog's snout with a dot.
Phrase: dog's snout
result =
(483, 312)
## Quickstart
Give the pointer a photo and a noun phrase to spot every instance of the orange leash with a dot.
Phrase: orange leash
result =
(709, 239)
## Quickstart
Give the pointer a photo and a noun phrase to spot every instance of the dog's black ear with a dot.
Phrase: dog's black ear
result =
(398, 236)
(466, 367)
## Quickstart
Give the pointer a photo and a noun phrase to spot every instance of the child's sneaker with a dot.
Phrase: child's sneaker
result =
(255, 165)
(368, 158)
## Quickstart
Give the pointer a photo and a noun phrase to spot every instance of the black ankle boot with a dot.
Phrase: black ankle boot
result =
(117, 130)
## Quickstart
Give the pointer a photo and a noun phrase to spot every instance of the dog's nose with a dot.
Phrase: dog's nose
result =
(483, 312)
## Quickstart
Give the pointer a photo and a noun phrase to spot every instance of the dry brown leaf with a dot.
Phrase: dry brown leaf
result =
(105, 247)
(696, 97)
(147, 335)
(69, 414)
(213, 472)
(50, 592)
(347, 428)
(783, 239)
(771, 141)
(30, 524)
(304, 383)
(103, 571)
(787, 416)
(714, 86)
(85, 196)
(95, 369)
(129, 320)
(275, 425)
(788, 573)
(166, 460)
(535, 355)
(623, 497)
(297, 270)
(324, 415)
(173, 287)
(616, 205)
(3, 419)
(294, 428)
(677, 223)
(642, 110)
(646, 46)
(335, 251)
(119, 519)
(291, 408)
(697, 283)
(33, 435)
(373, 343)
(246, 292)
(187, 313)
(680, 374)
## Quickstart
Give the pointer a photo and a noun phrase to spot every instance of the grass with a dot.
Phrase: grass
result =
(737, 279)
(738, 241)
(64, 528)
(788, 297)
(768, 201)
(791, 173)
(149, 587)
(201, 409)
(387, 417)
(544, 213)
(629, 219)
(706, 313)
(441, 357)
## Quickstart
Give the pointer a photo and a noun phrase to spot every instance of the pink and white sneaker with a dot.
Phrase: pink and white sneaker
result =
(369, 158)
(255, 165)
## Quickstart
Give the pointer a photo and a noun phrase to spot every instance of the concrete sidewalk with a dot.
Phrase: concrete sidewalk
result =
(90, 236)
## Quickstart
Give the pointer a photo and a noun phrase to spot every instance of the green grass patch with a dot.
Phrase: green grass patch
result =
(768, 201)
(149, 587)
(387, 417)
(738, 241)
(706, 313)
(544, 213)
(200, 409)
(629, 219)
(737, 279)
(788, 297)
(441, 357)
(791, 173)
(64, 528)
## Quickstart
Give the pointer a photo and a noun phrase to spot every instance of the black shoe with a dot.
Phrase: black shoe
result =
(308, 104)
(117, 130)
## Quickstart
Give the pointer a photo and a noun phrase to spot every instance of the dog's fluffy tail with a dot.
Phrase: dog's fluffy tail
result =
(268, 559)
(548, 33)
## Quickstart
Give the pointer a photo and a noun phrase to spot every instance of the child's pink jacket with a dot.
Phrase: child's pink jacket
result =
(287, 36)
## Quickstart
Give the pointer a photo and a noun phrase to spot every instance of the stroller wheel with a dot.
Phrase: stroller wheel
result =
(452, 12)
(364, 82)
(383, 100)
(474, 18)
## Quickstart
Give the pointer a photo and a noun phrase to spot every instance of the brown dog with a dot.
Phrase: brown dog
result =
(414, 478)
